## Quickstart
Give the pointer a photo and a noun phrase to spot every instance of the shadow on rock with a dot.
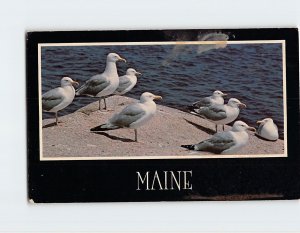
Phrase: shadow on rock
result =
(114, 137)
(49, 125)
(261, 138)
(206, 130)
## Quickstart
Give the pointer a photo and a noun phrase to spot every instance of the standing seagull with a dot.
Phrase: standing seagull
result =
(133, 116)
(127, 81)
(225, 142)
(267, 129)
(60, 97)
(221, 114)
(102, 85)
(216, 98)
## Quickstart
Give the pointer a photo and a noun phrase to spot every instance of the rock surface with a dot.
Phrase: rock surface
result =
(161, 137)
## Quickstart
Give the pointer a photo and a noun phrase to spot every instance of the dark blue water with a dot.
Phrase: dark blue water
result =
(181, 74)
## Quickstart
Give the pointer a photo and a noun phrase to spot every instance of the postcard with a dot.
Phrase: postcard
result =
(163, 115)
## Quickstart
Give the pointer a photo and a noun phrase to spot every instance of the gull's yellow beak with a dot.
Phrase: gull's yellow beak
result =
(76, 83)
(251, 129)
(157, 97)
(122, 59)
(242, 105)
(259, 122)
(224, 94)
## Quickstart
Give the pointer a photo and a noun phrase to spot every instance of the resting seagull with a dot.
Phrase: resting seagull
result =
(267, 129)
(127, 82)
(216, 98)
(102, 85)
(133, 116)
(60, 97)
(225, 142)
(221, 114)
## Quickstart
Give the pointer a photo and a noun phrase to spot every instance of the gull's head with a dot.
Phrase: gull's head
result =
(147, 96)
(233, 102)
(218, 93)
(132, 71)
(67, 81)
(242, 126)
(113, 57)
(264, 121)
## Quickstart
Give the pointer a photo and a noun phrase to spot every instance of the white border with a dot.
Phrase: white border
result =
(40, 45)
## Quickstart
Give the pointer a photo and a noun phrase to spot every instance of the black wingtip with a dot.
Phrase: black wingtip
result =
(104, 127)
(189, 147)
(98, 128)
(191, 108)
(77, 93)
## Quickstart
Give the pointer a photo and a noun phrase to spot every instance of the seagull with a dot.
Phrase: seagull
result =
(225, 142)
(267, 129)
(216, 98)
(127, 82)
(133, 116)
(102, 85)
(221, 114)
(60, 97)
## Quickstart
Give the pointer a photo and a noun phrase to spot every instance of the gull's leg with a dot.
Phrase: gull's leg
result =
(223, 127)
(105, 107)
(100, 104)
(135, 134)
(216, 128)
(56, 118)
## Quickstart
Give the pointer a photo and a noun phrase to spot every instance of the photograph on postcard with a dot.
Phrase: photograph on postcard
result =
(156, 100)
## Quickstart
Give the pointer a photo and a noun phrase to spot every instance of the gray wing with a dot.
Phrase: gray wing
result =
(51, 99)
(213, 112)
(217, 144)
(94, 85)
(204, 102)
(260, 127)
(129, 115)
(124, 83)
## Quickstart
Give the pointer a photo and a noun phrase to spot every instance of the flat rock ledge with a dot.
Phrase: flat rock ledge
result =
(159, 138)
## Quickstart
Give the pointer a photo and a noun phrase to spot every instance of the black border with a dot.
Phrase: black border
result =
(213, 179)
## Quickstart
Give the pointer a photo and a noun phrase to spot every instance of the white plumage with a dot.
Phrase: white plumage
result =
(216, 98)
(133, 116)
(105, 84)
(267, 129)
(60, 97)
(221, 114)
(127, 81)
(228, 142)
